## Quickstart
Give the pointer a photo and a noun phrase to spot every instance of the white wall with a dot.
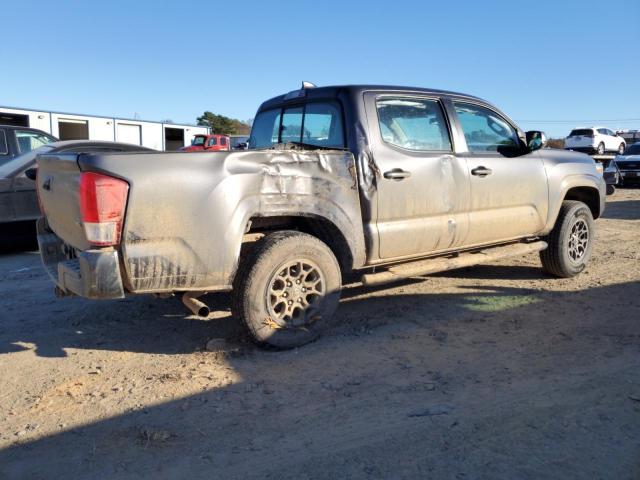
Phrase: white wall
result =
(105, 128)
(39, 120)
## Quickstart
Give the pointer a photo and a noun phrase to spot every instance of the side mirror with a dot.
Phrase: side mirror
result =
(536, 140)
(31, 173)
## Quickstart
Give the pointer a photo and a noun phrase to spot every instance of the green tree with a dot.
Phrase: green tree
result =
(223, 125)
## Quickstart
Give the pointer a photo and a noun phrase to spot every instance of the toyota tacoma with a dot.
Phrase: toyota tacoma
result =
(375, 183)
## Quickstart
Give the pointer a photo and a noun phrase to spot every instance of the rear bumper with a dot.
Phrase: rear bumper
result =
(91, 274)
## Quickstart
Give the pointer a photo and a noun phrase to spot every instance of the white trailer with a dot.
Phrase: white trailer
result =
(71, 126)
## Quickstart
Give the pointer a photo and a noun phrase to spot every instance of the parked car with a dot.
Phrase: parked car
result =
(629, 165)
(212, 143)
(16, 141)
(18, 199)
(611, 174)
(381, 183)
(595, 140)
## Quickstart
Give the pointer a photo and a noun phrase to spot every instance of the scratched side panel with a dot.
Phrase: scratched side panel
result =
(187, 212)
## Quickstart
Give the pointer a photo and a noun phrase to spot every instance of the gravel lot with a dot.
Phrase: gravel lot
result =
(488, 372)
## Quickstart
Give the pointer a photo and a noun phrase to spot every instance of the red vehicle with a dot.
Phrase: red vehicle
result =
(210, 143)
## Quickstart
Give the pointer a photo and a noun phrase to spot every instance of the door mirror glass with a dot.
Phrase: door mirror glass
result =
(536, 140)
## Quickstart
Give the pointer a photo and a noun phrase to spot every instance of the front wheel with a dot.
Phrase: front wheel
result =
(621, 149)
(288, 290)
(570, 242)
(600, 149)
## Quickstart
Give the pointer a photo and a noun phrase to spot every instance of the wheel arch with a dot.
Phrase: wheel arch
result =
(346, 252)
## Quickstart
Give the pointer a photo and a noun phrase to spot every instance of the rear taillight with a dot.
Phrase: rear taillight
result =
(102, 203)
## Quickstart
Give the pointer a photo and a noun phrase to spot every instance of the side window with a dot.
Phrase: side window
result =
(29, 140)
(4, 149)
(223, 141)
(602, 131)
(291, 125)
(212, 141)
(413, 123)
(485, 131)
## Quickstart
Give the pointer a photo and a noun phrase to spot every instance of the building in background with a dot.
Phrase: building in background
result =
(67, 126)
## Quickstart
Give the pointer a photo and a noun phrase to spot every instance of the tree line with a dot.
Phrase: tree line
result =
(224, 125)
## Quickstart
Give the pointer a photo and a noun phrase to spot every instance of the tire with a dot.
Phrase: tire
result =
(600, 149)
(611, 189)
(569, 249)
(287, 291)
(621, 149)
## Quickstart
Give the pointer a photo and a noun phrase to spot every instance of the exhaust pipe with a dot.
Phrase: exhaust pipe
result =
(195, 306)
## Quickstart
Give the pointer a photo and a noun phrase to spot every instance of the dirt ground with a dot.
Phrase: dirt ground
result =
(488, 372)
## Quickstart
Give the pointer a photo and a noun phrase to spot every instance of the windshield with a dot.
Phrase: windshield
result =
(633, 149)
(29, 140)
(198, 140)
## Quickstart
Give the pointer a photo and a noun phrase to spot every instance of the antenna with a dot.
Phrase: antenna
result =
(306, 85)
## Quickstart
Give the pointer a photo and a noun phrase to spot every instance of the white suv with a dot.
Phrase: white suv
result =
(594, 140)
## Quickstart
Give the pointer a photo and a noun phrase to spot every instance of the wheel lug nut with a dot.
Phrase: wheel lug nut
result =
(290, 302)
(285, 294)
(299, 300)
(304, 289)
(298, 282)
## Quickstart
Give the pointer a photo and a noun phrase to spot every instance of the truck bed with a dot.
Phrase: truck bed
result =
(186, 213)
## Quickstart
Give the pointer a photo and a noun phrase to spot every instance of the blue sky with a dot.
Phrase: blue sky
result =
(550, 61)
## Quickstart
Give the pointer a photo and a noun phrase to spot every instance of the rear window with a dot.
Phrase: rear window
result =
(317, 123)
(581, 132)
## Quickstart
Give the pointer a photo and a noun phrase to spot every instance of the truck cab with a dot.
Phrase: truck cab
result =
(211, 143)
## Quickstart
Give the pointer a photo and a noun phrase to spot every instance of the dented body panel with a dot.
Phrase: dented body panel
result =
(187, 213)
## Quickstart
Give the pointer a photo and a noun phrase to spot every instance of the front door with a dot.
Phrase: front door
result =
(423, 188)
(509, 192)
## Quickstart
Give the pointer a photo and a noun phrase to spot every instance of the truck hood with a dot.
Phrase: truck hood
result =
(557, 156)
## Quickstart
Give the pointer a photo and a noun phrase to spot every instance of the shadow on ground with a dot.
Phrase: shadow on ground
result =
(501, 383)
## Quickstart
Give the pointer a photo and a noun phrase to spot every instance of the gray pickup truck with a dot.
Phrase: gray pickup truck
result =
(375, 183)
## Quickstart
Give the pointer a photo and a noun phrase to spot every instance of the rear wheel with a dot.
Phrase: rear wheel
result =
(600, 149)
(287, 291)
(570, 242)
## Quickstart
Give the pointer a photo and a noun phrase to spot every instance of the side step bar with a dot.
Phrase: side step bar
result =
(441, 264)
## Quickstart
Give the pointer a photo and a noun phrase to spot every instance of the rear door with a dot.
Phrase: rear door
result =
(24, 198)
(509, 191)
(423, 188)
(6, 204)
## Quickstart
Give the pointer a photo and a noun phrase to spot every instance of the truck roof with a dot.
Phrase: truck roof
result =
(334, 90)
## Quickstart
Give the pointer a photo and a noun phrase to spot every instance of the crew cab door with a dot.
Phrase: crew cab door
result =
(509, 190)
(422, 192)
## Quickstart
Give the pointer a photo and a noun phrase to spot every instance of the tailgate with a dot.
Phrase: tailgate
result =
(58, 188)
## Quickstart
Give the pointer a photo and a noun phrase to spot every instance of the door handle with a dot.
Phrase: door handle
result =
(397, 174)
(481, 171)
